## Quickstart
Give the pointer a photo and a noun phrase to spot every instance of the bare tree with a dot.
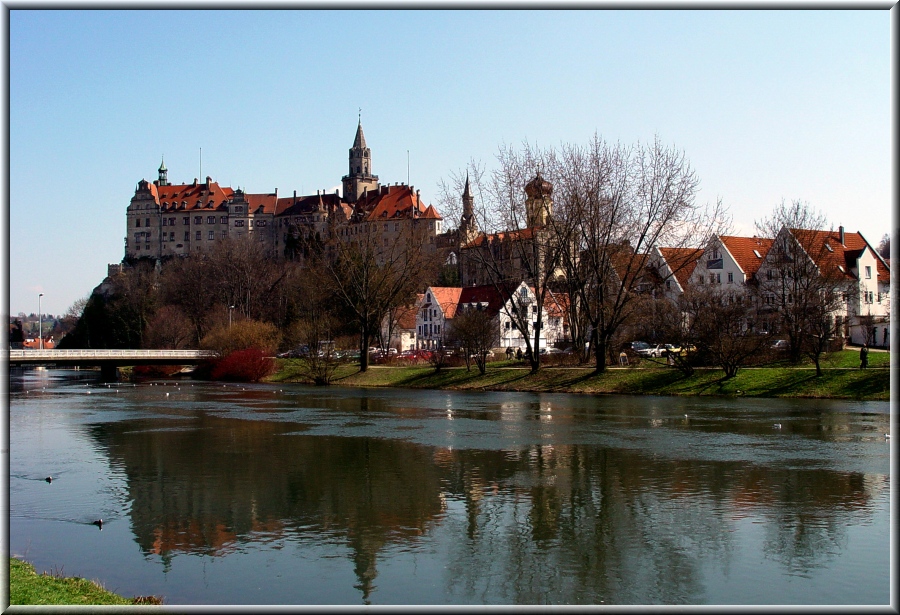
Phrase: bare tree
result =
(476, 331)
(169, 329)
(884, 246)
(800, 284)
(371, 278)
(518, 197)
(722, 324)
(621, 202)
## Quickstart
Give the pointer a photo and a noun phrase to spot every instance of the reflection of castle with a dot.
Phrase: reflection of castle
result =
(222, 482)
(373, 493)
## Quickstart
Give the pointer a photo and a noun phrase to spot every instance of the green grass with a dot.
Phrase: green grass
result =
(840, 380)
(28, 587)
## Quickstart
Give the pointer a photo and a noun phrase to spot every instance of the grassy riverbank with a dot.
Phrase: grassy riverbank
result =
(840, 380)
(26, 586)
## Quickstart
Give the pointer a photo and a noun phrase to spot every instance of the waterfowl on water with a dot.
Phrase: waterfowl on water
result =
(98, 523)
(49, 479)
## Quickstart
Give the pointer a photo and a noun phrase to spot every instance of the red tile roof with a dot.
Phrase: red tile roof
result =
(447, 297)
(682, 262)
(406, 315)
(840, 255)
(193, 196)
(744, 250)
(392, 202)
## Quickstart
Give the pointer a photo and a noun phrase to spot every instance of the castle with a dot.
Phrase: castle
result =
(165, 220)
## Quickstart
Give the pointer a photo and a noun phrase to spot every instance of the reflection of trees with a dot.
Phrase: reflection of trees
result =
(581, 524)
(217, 482)
(539, 524)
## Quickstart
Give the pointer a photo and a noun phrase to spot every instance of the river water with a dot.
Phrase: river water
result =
(254, 494)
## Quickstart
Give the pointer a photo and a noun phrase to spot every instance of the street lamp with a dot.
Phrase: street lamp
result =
(40, 324)
(230, 310)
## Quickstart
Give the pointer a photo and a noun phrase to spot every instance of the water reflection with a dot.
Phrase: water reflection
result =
(572, 522)
(520, 499)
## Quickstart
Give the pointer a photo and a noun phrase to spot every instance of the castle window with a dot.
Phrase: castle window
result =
(224, 234)
(198, 235)
(239, 223)
(238, 209)
(146, 221)
(187, 235)
(210, 219)
(137, 223)
(223, 219)
(212, 235)
(198, 219)
(186, 220)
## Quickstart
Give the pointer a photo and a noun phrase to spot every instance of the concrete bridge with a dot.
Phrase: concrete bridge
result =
(108, 360)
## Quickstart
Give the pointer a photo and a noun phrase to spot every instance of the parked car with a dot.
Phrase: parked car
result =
(636, 347)
(551, 351)
(657, 350)
(780, 345)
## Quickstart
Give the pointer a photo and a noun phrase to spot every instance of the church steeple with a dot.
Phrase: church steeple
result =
(359, 175)
(468, 227)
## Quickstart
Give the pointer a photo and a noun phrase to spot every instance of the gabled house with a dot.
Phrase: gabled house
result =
(439, 305)
(730, 260)
(398, 328)
(848, 259)
(674, 267)
(433, 312)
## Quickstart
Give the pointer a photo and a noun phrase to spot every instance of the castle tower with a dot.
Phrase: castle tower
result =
(539, 201)
(468, 226)
(359, 176)
(163, 174)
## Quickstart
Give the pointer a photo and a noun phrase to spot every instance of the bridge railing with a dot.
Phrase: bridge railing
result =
(109, 354)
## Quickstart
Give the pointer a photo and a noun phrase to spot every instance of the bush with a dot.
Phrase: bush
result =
(249, 365)
(241, 336)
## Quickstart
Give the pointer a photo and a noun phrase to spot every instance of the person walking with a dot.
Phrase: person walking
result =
(864, 357)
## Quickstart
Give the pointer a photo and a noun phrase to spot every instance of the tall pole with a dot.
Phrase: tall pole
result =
(230, 310)
(40, 324)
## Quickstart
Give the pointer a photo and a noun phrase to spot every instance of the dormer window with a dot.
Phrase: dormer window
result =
(757, 254)
(829, 248)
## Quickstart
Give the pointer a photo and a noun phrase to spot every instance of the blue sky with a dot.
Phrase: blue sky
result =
(766, 105)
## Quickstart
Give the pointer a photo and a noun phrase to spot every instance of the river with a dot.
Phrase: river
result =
(218, 494)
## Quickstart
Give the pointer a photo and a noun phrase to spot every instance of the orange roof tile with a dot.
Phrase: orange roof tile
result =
(840, 255)
(447, 297)
(682, 262)
(391, 202)
(191, 196)
(748, 252)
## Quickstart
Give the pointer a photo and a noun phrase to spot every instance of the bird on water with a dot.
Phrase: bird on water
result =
(49, 479)
(98, 523)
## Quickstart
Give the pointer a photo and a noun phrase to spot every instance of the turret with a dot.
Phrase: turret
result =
(359, 176)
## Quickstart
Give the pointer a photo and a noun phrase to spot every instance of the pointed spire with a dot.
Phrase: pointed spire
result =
(360, 141)
(466, 194)
(163, 179)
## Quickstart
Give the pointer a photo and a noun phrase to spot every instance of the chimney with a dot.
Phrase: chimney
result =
(841, 234)
(295, 195)
(195, 181)
(208, 180)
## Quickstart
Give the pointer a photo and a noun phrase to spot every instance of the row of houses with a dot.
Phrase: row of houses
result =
(726, 263)
(427, 323)
(737, 263)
